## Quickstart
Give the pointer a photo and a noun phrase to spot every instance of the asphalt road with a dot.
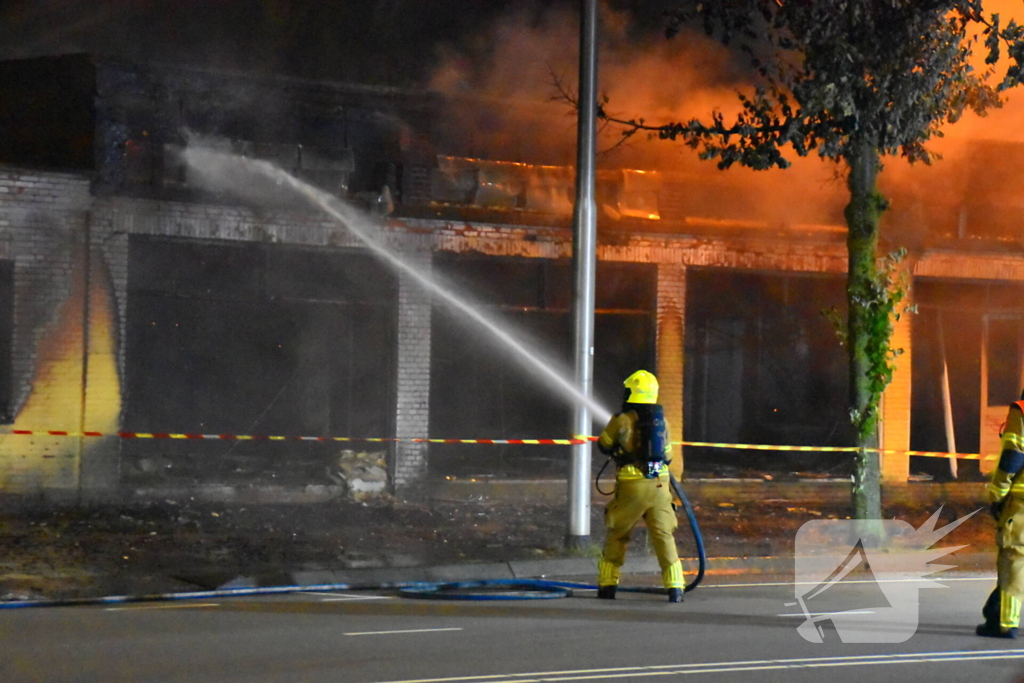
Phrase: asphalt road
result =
(721, 633)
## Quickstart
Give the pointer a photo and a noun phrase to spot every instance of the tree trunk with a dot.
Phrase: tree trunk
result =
(863, 215)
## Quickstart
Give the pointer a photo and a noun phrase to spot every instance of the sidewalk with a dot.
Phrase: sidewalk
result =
(182, 544)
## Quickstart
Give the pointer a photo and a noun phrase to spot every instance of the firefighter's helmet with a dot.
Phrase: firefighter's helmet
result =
(643, 387)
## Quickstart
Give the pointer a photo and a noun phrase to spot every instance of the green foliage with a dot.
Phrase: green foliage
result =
(879, 300)
(831, 71)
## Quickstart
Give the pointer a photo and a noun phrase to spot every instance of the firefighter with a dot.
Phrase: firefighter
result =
(637, 438)
(1005, 494)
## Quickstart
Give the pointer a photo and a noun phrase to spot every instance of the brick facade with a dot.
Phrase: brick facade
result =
(70, 260)
(671, 343)
(896, 406)
(412, 413)
(44, 219)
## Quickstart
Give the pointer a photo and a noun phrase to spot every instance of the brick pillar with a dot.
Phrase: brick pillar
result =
(100, 467)
(895, 411)
(412, 414)
(671, 336)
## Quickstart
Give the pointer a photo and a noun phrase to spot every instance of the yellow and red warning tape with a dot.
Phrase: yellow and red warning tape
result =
(834, 449)
(576, 440)
(266, 437)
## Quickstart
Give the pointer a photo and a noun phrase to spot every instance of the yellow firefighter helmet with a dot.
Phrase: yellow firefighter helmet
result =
(643, 387)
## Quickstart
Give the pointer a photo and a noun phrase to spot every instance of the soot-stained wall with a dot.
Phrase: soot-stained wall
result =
(251, 338)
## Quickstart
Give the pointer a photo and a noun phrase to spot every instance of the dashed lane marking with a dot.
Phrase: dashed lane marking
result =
(826, 614)
(353, 598)
(410, 630)
(345, 597)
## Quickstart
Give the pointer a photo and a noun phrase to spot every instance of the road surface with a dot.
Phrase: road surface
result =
(722, 633)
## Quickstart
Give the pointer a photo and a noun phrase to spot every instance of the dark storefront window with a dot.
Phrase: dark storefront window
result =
(481, 390)
(764, 366)
(256, 339)
(968, 334)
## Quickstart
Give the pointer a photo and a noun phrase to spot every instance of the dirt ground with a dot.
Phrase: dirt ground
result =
(170, 546)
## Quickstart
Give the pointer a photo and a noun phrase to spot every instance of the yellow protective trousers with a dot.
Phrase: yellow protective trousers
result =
(1003, 609)
(1010, 540)
(651, 501)
(1009, 611)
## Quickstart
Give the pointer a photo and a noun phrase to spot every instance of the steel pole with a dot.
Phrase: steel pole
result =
(584, 266)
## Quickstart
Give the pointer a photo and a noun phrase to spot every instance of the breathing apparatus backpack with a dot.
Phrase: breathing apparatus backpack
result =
(652, 439)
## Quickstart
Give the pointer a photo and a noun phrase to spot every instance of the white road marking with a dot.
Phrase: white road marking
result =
(139, 608)
(411, 630)
(728, 667)
(826, 614)
(351, 598)
(846, 581)
(335, 597)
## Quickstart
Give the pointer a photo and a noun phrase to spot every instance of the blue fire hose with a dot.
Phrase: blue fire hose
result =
(702, 558)
(493, 589)
(535, 589)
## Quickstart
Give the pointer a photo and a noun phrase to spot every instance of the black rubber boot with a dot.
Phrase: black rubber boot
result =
(675, 594)
(991, 609)
(606, 592)
(989, 630)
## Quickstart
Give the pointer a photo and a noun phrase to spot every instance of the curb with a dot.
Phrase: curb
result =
(540, 569)
(522, 569)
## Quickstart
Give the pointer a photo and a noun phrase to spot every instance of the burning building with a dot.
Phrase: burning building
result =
(140, 308)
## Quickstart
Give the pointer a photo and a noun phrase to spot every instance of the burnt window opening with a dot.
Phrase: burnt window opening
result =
(1003, 359)
(481, 389)
(968, 336)
(764, 366)
(264, 339)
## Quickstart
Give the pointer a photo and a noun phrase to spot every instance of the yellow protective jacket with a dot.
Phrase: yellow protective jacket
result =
(1008, 477)
(621, 435)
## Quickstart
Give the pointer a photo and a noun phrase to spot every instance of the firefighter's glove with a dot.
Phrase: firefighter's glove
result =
(996, 509)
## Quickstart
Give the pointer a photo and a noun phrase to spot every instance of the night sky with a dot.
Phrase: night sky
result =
(500, 50)
(396, 42)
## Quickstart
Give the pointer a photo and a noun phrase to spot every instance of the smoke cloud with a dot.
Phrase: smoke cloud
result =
(517, 62)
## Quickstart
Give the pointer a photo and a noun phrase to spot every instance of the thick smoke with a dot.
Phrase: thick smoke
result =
(516, 62)
(519, 61)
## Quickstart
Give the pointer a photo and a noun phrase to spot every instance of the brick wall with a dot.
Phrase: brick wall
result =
(671, 342)
(412, 414)
(895, 414)
(43, 220)
(70, 308)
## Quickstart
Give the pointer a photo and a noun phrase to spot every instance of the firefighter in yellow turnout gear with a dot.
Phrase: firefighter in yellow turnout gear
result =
(1005, 494)
(638, 439)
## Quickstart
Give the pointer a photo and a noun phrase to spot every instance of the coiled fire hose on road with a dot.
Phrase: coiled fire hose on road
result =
(539, 589)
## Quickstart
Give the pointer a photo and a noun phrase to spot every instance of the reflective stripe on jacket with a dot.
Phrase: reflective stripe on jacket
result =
(1003, 483)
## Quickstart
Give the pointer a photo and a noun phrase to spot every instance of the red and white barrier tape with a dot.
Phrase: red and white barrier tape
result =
(514, 442)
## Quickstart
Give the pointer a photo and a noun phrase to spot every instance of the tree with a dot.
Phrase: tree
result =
(853, 81)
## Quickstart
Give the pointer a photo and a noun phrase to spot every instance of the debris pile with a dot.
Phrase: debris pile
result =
(364, 475)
